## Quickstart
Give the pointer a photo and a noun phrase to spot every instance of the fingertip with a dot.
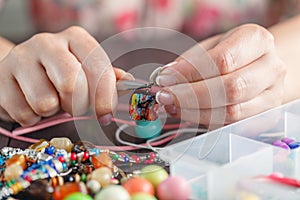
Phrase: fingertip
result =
(165, 80)
(164, 98)
(170, 64)
(106, 119)
(128, 76)
(171, 109)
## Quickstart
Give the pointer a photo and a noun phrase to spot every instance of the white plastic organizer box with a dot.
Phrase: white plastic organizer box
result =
(232, 162)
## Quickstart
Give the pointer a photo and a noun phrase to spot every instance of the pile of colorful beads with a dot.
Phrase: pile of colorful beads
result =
(60, 170)
(286, 143)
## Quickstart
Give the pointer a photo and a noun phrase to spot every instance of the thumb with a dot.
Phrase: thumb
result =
(193, 65)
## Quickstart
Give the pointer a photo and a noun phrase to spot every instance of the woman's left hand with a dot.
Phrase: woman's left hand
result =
(238, 75)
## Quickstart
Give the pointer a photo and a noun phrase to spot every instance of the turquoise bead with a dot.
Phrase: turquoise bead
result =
(1, 161)
(148, 129)
(78, 196)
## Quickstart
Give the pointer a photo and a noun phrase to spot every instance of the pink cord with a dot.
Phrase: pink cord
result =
(10, 135)
(65, 117)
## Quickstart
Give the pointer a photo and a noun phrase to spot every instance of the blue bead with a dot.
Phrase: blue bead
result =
(52, 165)
(126, 159)
(294, 145)
(64, 165)
(148, 129)
(43, 169)
(1, 161)
(96, 151)
(50, 150)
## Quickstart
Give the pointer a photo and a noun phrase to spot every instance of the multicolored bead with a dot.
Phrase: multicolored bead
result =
(143, 105)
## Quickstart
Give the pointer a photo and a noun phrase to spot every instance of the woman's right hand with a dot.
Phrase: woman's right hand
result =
(50, 72)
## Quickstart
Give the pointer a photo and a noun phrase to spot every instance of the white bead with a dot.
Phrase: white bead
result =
(93, 185)
(113, 192)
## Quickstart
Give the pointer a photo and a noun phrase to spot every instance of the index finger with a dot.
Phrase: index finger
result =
(98, 70)
(221, 56)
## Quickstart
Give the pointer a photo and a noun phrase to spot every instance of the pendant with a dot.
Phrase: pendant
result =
(143, 105)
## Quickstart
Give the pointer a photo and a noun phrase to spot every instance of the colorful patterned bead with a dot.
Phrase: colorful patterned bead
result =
(143, 105)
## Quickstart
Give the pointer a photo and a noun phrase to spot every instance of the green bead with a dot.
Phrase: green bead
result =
(10, 183)
(83, 177)
(73, 162)
(155, 174)
(142, 196)
(115, 157)
(78, 196)
(148, 129)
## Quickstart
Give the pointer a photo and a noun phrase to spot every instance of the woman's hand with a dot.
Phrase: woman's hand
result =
(239, 76)
(50, 72)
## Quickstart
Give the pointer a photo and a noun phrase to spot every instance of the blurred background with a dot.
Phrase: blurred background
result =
(15, 20)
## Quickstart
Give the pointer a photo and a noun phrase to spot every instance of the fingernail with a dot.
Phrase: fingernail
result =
(171, 109)
(165, 77)
(170, 64)
(105, 120)
(164, 98)
(128, 76)
(165, 80)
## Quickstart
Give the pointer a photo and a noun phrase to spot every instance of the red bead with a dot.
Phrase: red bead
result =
(139, 185)
(27, 178)
(63, 191)
(152, 155)
(73, 156)
(85, 156)
(146, 162)
(150, 161)
(61, 159)
(136, 159)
